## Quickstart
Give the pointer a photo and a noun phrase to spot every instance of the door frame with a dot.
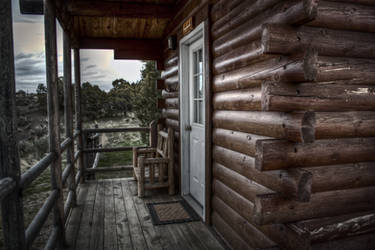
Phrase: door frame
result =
(200, 32)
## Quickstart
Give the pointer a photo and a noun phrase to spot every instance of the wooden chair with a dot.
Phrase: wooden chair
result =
(153, 167)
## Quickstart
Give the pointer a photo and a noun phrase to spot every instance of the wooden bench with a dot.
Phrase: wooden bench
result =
(153, 167)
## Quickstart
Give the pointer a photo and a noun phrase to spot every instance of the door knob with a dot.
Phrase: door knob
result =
(188, 128)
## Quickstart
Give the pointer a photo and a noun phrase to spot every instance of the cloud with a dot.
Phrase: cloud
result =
(91, 66)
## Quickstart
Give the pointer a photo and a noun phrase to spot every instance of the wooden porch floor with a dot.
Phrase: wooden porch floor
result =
(109, 215)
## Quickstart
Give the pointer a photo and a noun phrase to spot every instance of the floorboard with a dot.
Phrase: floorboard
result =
(109, 215)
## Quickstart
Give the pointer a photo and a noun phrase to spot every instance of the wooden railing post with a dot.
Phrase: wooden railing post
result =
(11, 206)
(153, 133)
(68, 114)
(77, 76)
(53, 114)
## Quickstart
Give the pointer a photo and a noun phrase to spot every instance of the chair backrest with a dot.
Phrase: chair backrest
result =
(165, 143)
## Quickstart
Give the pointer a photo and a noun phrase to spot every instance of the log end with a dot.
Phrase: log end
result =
(311, 8)
(308, 127)
(300, 127)
(259, 155)
(310, 64)
(304, 187)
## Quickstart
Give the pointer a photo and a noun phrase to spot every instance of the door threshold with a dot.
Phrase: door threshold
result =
(198, 208)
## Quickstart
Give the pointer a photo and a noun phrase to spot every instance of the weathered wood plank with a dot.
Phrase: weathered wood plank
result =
(74, 221)
(138, 239)
(97, 227)
(122, 225)
(110, 229)
(83, 237)
(152, 237)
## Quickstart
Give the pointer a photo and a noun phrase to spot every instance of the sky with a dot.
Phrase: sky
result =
(97, 66)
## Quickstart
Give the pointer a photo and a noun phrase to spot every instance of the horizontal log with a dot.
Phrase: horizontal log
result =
(245, 99)
(52, 239)
(237, 202)
(329, 228)
(7, 186)
(344, 124)
(32, 173)
(279, 233)
(40, 218)
(173, 124)
(250, 234)
(284, 39)
(280, 96)
(172, 103)
(166, 94)
(116, 149)
(65, 144)
(78, 177)
(115, 130)
(172, 61)
(108, 169)
(237, 141)
(249, 76)
(344, 176)
(363, 242)
(169, 72)
(239, 183)
(68, 205)
(344, 16)
(226, 232)
(279, 154)
(295, 184)
(323, 69)
(274, 209)
(290, 12)
(77, 154)
(240, 14)
(364, 2)
(68, 169)
(292, 126)
(171, 113)
(240, 57)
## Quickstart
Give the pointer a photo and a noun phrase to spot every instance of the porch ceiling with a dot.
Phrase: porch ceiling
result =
(124, 19)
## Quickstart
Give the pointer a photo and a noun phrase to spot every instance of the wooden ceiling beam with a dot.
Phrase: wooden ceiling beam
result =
(139, 54)
(118, 44)
(120, 9)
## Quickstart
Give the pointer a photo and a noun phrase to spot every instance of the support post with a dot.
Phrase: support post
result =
(53, 114)
(153, 133)
(11, 206)
(77, 76)
(68, 115)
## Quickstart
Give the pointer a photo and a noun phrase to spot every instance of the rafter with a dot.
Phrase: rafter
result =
(123, 9)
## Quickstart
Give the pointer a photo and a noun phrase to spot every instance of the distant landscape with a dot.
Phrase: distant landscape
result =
(125, 105)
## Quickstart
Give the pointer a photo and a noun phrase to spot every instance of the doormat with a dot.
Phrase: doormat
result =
(170, 212)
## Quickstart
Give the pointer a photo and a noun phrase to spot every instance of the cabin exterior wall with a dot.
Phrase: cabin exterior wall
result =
(293, 116)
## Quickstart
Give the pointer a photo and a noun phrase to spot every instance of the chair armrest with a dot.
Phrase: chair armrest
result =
(146, 150)
(155, 160)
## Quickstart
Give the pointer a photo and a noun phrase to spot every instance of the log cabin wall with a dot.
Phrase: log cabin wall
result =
(293, 120)
(293, 137)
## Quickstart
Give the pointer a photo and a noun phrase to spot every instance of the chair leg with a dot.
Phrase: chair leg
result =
(141, 179)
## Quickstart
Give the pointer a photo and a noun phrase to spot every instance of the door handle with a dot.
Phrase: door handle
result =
(188, 128)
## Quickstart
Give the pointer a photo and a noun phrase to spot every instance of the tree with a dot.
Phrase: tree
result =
(145, 105)
(93, 101)
(120, 98)
(41, 93)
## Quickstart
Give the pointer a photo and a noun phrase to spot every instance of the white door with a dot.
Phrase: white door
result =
(197, 122)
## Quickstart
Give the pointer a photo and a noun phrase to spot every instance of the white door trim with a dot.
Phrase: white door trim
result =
(196, 34)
